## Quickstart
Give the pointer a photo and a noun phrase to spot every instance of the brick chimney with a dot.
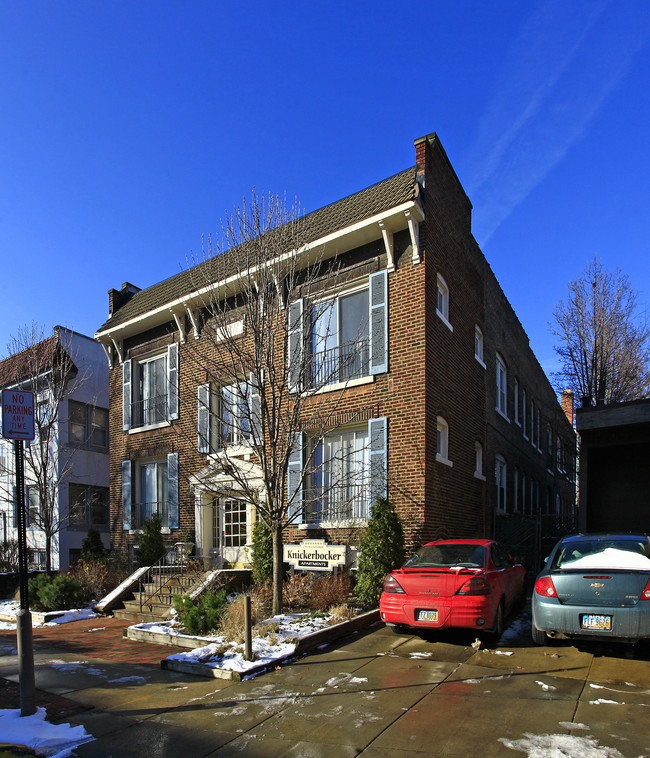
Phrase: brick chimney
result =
(568, 405)
(117, 298)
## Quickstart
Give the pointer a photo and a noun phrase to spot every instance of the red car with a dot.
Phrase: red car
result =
(453, 583)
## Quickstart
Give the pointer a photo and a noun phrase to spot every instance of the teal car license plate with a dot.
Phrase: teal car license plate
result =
(595, 621)
(427, 616)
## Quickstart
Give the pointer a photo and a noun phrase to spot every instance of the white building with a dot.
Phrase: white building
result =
(67, 465)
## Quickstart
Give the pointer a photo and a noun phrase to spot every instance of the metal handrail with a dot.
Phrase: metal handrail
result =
(158, 571)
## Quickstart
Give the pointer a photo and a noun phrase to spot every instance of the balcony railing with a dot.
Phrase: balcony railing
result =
(341, 363)
(337, 505)
(150, 410)
(143, 512)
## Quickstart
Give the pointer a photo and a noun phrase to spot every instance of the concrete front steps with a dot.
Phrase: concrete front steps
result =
(155, 603)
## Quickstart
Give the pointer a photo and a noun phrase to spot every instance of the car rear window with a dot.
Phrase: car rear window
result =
(606, 554)
(448, 556)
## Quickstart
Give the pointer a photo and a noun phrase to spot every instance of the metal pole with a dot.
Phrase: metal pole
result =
(24, 616)
(248, 634)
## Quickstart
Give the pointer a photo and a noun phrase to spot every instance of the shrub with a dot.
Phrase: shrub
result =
(92, 548)
(95, 577)
(328, 590)
(381, 550)
(56, 594)
(262, 560)
(152, 546)
(295, 592)
(9, 555)
(202, 615)
(231, 624)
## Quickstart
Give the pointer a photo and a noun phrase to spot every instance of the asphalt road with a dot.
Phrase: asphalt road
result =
(373, 694)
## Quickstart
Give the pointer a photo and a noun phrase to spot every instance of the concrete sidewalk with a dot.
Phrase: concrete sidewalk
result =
(374, 694)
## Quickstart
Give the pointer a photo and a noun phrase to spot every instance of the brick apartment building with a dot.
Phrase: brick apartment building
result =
(446, 401)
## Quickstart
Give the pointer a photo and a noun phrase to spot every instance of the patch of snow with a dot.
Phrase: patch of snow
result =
(602, 701)
(421, 655)
(573, 725)
(611, 558)
(9, 609)
(500, 652)
(222, 653)
(128, 679)
(560, 746)
(54, 740)
(75, 667)
(546, 687)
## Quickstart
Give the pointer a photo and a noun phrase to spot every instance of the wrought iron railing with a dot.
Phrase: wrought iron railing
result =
(341, 363)
(336, 505)
(150, 410)
(165, 573)
(143, 512)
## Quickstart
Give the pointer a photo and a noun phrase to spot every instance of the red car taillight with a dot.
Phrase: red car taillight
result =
(645, 595)
(392, 585)
(477, 585)
(544, 586)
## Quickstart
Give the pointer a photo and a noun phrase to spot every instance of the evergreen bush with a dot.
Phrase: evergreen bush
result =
(381, 550)
(152, 546)
(201, 615)
(92, 548)
(56, 594)
(262, 560)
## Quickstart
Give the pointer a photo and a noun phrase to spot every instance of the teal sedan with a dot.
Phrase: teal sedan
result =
(594, 586)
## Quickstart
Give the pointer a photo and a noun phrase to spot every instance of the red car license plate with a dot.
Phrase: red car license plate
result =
(593, 621)
(427, 616)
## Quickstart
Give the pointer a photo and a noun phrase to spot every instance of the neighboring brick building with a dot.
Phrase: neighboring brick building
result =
(448, 399)
(68, 374)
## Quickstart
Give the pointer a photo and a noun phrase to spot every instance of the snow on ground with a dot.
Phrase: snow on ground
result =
(9, 608)
(560, 746)
(219, 652)
(54, 740)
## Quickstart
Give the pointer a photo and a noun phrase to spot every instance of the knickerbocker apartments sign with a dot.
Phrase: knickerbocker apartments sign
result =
(315, 555)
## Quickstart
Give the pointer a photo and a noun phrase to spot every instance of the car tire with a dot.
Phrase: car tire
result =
(499, 622)
(539, 636)
(397, 628)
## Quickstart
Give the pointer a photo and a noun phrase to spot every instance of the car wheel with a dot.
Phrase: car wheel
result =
(397, 628)
(539, 637)
(499, 622)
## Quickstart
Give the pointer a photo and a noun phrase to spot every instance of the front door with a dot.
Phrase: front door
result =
(229, 530)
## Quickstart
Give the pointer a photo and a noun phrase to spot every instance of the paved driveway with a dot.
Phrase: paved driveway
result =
(375, 694)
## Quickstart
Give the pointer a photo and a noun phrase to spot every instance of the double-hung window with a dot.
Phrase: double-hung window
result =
(502, 386)
(228, 415)
(340, 338)
(150, 389)
(336, 479)
(87, 425)
(500, 476)
(88, 506)
(150, 487)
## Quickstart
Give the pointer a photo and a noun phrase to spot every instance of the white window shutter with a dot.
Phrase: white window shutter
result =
(126, 495)
(126, 395)
(255, 409)
(295, 329)
(378, 435)
(203, 418)
(378, 320)
(172, 489)
(294, 481)
(172, 381)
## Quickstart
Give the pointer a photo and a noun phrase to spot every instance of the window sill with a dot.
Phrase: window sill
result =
(479, 476)
(342, 385)
(444, 461)
(480, 362)
(161, 425)
(343, 524)
(502, 414)
(444, 320)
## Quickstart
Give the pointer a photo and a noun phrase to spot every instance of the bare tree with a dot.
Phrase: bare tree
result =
(45, 366)
(604, 339)
(264, 353)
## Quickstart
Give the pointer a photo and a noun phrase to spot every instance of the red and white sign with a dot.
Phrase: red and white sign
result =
(17, 415)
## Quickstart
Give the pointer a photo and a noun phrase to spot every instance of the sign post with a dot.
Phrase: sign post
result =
(18, 425)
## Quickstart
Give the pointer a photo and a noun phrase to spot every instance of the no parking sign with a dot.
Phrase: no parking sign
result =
(18, 415)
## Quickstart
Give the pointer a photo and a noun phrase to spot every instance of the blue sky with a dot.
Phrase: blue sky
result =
(129, 129)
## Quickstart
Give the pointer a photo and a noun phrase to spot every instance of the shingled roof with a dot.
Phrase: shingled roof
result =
(362, 205)
(34, 360)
